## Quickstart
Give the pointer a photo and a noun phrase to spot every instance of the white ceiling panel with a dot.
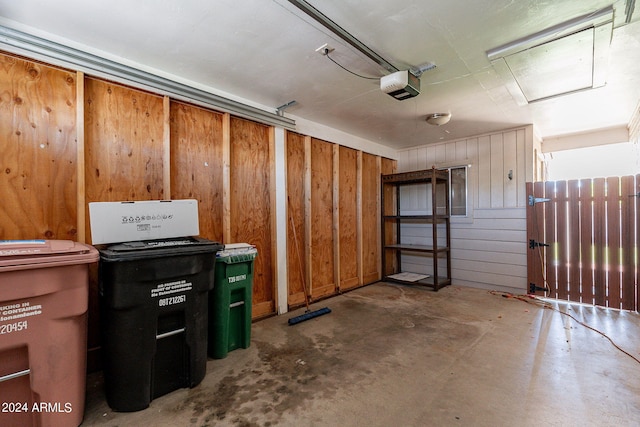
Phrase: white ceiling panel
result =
(263, 51)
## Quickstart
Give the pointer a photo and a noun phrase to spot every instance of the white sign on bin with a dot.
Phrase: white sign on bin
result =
(114, 222)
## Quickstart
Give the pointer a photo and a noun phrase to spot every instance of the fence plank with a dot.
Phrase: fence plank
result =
(612, 253)
(600, 242)
(535, 231)
(562, 245)
(628, 253)
(531, 254)
(550, 238)
(586, 242)
(574, 220)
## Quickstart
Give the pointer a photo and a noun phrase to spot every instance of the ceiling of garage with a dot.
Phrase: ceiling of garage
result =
(264, 52)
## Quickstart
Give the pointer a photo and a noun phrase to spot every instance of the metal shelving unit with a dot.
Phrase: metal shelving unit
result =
(392, 219)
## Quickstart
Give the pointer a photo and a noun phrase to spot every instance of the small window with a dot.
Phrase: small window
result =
(458, 180)
(457, 189)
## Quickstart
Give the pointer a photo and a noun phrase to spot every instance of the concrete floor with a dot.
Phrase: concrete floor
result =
(393, 355)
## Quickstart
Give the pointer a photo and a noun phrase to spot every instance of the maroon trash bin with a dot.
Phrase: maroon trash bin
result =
(43, 331)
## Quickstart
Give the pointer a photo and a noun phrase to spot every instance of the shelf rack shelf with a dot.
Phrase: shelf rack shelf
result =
(433, 249)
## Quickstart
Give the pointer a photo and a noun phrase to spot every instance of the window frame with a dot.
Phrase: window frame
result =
(466, 189)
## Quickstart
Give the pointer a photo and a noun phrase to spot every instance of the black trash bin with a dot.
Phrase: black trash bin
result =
(154, 317)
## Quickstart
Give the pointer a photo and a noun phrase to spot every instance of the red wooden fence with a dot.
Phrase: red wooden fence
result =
(592, 229)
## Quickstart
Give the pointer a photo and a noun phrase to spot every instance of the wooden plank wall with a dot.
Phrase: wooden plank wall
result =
(38, 176)
(296, 260)
(196, 163)
(123, 143)
(70, 139)
(320, 226)
(333, 195)
(348, 216)
(250, 204)
(371, 240)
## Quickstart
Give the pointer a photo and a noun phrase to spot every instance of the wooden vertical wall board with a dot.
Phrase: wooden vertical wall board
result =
(166, 147)
(197, 164)
(359, 223)
(336, 215)
(295, 218)
(38, 154)
(226, 178)
(575, 249)
(250, 204)
(614, 292)
(370, 214)
(274, 222)
(378, 216)
(599, 237)
(586, 241)
(308, 249)
(93, 303)
(124, 143)
(348, 200)
(322, 219)
(80, 165)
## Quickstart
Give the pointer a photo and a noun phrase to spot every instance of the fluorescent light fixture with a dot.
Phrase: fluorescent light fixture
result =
(562, 59)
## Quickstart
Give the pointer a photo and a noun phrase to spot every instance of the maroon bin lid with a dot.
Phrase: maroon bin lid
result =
(26, 254)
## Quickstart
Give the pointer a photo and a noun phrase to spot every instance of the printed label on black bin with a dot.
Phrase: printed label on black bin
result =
(171, 288)
(176, 299)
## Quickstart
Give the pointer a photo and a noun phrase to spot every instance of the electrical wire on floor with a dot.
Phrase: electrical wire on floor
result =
(532, 299)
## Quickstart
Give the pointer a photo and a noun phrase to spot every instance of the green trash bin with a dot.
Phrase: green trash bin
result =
(230, 300)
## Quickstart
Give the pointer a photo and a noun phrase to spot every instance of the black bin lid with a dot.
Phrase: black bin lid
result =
(159, 248)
